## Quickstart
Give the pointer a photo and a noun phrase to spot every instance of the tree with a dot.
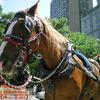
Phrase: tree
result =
(86, 44)
(61, 25)
(4, 19)
(0, 10)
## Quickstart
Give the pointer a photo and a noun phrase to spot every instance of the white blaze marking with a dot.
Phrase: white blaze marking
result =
(9, 31)
(2, 47)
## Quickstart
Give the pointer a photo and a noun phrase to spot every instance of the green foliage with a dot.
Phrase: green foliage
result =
(4, 19)
(89, 46)
(0, 10)
(61, 25)
(33, 67)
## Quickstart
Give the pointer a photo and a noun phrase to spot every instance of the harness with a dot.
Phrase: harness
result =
(64, 68)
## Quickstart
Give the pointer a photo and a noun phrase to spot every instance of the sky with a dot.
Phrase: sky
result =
(16, 5)
(44, 6)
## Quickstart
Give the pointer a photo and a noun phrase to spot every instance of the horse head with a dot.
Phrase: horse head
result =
(15, 49)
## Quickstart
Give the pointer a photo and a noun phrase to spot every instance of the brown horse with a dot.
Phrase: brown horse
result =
(28, 33)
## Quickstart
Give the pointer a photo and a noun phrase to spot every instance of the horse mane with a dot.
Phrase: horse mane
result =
(49, 29)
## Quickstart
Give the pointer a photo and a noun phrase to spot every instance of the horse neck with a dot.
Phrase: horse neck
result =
(52, 45)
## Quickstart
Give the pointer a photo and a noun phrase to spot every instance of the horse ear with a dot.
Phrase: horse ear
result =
(33, 10)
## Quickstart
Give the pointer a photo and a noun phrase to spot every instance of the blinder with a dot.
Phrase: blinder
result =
(28, 24)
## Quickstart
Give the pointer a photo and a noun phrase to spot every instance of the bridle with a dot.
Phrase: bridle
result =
(17, 41)
(11, 38)
(23, 45)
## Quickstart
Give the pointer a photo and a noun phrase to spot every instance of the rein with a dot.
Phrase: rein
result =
(22, 53)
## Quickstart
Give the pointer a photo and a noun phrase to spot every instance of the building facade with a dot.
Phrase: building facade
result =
(85, 6)
(98, 2)
(69, 9)
(59, 8)
(90, 24)
(77, 10)
(81, 14)
(74, 16)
